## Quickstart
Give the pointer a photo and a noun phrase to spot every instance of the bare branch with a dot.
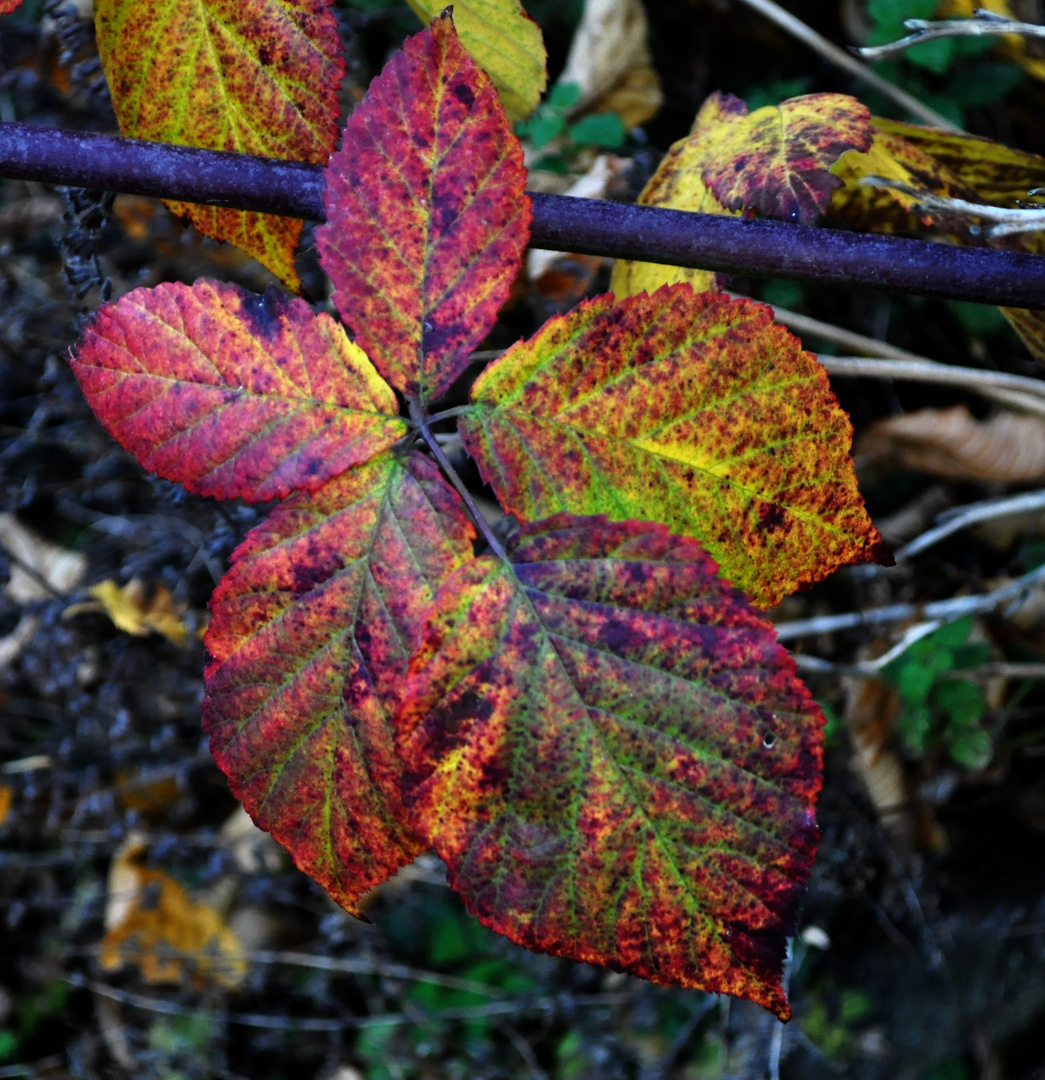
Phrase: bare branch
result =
(982, 24)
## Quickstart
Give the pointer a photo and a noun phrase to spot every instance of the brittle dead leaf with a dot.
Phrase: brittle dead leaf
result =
(151, 922)
(39, 569)
(611, 62)
(1007, 448)
(135, 609)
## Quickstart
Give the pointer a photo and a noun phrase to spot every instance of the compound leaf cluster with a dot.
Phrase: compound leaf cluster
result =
(594, 729)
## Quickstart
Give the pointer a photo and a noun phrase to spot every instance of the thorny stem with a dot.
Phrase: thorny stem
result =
(419, 418)
(561, 223)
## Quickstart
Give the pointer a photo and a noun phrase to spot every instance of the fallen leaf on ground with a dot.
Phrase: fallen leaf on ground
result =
(39, 569)
(151, 922)
(1007, 448)
(611, 62)
(135, 609)
(6, 798)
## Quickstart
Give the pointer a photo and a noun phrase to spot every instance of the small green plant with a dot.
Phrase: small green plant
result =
(551, 124)
(941, 709)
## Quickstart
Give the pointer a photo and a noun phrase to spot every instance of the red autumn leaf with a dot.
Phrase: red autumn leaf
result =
(7, 6)
(311, 634)
(693, 410)
(233, 394)
(615, 758)
(776, 160)
(427, 213)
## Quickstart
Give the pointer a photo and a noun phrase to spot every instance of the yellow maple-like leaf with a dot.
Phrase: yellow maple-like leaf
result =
(135, 610)
(505, 42)
(152, 922)
(251, 76)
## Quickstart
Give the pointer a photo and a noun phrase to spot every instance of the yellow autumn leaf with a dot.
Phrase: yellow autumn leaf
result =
(134, 609)
(255, 77)
(505, 42)
(153, 923)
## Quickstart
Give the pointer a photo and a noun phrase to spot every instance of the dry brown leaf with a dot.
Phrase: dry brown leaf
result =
(1007, 448)
(611, 62)
(38, 568)
(151, 922)
(135, 609)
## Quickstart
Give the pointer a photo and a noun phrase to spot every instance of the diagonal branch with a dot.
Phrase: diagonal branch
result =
(560, 223)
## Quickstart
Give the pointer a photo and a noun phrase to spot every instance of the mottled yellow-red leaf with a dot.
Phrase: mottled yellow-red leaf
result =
(615, 758)
(997, 173)
(153, 923)
(311, 634)
(231, 393)
(505, 42)
(427, 216)
(135, 609)
(777, 160)
(693, 410)
(880, 209)
(251, 76)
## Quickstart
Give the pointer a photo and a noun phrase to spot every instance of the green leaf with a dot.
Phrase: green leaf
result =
(614, 757)
(962, 701)
(971, 747)
(600, 129)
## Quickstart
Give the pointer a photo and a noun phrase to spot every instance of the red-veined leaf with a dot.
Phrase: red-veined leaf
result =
(427, 216)
(693, 410)
(252, 76)
(231, 393)
(615, 758)
(311, 635)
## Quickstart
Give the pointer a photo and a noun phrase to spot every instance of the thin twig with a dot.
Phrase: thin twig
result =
(939, 610)
(1008, 221)
(983, 23)
(964, 516)
(451, 473)
(932, 372)
(827, 49)
(519, 1007)
(560, 222)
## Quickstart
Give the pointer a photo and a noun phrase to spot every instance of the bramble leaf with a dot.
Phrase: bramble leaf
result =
(777, 159)
(231, 393)
(693, 410)
(505, 42)
(615, 758)
(427, 213)
(7, 6)
(311, 635)
(254, 76)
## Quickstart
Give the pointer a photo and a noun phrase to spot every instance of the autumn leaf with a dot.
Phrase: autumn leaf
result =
(7, 6)
(233, 394)
(694, 411)
(134, 609)
(505, 42)
(153, 923)
(254, 77)
(777, 160)
(427, 214)
(615, 758)
(311, 634)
